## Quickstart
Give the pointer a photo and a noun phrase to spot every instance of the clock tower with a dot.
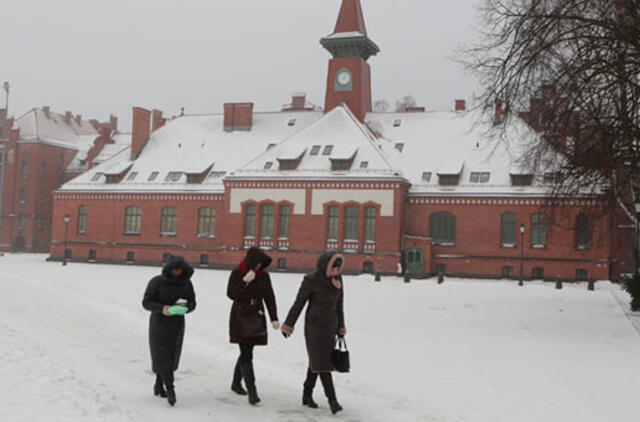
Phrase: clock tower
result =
(349, 77)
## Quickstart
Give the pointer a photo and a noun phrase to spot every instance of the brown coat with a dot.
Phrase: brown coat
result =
(251, 297)
(324, 316)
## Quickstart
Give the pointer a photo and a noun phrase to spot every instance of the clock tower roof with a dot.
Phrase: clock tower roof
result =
(349, 38)
(350, 18)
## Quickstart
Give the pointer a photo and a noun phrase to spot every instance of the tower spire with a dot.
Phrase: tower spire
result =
(351, 18)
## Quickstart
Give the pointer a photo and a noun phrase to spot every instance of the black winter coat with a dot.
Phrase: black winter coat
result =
(167, 332)
(249, 298)
(324, 316)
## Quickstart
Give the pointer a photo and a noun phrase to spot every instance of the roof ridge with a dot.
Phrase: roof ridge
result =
(370, 137)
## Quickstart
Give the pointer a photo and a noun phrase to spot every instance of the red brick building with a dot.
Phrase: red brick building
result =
(45, 150)
(430, 189)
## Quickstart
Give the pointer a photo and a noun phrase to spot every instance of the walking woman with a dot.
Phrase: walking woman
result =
(324, 291)
(169, 297)
(250, 288)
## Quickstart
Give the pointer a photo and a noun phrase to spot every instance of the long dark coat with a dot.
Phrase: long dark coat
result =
(324, 316)
(167, 332)
(251, 297)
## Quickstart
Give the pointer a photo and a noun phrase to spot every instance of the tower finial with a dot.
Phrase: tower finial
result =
(350, 18)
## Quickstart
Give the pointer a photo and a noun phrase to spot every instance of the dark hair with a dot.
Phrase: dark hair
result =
(337, 263)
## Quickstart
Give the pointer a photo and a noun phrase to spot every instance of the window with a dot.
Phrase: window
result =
(582, 275)
(291, 122)
(168, 221)
(25, 154)
(250, 221)
(266, 221)
(194, 178)
(484, 177)
(442, 228)
(131, 256)
(204, 259)
(340, 165)
(93, 255)
(477, 177)
(42, 195)
(268, 165)
(315, 150)
(206, 222)
(113, 178)
(426, 176)
(370, 224)
(521, 179)
(449, 179)
(288, 164)
(583, 231)
(282, 263)
(508, 230)
(25, 170)
(441, 269)
(397, 122)
(364, 164)
(332, 223)
(43, 170)
(399, 147)
(327, 150)
(68, 254)
(96, 177)
(285, 219)
(21, 221)
(538, 230)
(367, 267)
(351, 216)
(153, 176)
(216, 174)
(271, 145)
(507, 271)
(132, 220)
(537, 273)
(173, 176)
(40, 223)
(132, 175)
(23, 195)
(82, 219)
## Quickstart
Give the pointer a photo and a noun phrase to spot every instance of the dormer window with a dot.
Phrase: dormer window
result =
(449, 179)
(113, 178)
(132, 176)
(96, 177)
(315, 150)
(173, 176)
(553, 178)
(364, 164)
(153, 176)
(480, 177)
(340, 165)
(521, 179)
(426, 176)
(328, 149)
(216, 174)
(397, 122)
(291, 122)
(288, 164)
(399, 147)
(268, 165)
(270, 146)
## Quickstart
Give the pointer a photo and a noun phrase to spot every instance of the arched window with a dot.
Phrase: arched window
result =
(266, 221)
(583, 231)
(370, 224)
(206, 222)
(332, 223)
(25, 169)
(442, 228)
(82, 219)
(250, 221)
(508, 230)
(132, 220)
(168, 221)
(351, 217)
(285, 219)
(539, 230)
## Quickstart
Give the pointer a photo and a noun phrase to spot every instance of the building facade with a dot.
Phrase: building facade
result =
(420, 191)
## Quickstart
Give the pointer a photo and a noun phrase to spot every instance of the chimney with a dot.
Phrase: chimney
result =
(461, 105)
(156, 120)
(46, 111)
(414, 109)
(298, 101)
(140, 130)
(113, 123)
(68, 116)
(238, 116)
(95, 124)
(79, 119)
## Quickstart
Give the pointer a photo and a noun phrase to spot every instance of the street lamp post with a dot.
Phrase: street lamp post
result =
(66, 237)
(637, 243)
(5, 142)
(520, 283)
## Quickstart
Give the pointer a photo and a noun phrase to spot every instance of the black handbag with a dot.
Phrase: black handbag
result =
(340, 356)
(252, 323)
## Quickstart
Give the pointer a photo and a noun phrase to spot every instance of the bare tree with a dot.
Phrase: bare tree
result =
(405, 102)
(381, 106)
(571, 70)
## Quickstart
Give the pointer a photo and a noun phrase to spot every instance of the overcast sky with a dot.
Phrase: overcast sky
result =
(99, 57)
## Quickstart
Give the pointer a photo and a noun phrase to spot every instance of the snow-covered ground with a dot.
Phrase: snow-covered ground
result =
(73, 347)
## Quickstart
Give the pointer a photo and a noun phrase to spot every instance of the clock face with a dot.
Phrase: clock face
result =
(344, 77)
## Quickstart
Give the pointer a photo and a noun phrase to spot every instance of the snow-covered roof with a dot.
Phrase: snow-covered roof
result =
(350, 34)
(121, 141)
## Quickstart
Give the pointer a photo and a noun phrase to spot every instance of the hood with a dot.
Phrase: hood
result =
(326, 260)
(255, 255)
(176, 261)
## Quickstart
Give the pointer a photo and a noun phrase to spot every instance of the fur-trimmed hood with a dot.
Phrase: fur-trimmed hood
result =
(254, 256)
(176, 261)
(325, 262)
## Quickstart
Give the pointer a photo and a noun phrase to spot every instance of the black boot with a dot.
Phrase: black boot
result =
(250, 381)
(168, 384)
(158, 388)
(309, 385)
(236, 384)
(330, 392)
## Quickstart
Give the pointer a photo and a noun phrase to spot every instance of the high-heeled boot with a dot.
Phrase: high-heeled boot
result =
(236, 384)
(158, 388)
(309, 385)
(250, 382)
(330, 392)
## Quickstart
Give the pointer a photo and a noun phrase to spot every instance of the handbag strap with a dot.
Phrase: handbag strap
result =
(342, 342)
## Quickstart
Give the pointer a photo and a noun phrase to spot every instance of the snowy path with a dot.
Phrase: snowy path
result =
(74, 347)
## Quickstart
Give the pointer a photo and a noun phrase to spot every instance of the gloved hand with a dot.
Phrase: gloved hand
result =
(275, 324)
(342, 332)
(177, 310)
(286, 330)
(249, 277)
